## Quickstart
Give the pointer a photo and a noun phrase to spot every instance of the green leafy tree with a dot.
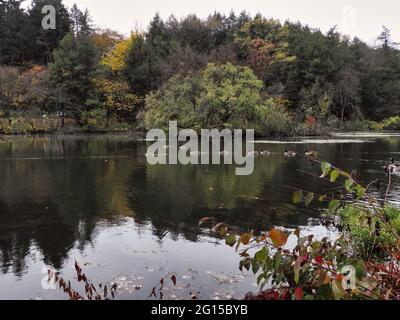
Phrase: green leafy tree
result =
(179, 99)
(220, 96)
(232, 95)
(116, 99)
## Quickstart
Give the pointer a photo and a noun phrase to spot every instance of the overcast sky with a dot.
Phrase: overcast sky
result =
(362, 18)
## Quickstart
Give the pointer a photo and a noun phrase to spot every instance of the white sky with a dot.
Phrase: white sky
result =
(362, 18)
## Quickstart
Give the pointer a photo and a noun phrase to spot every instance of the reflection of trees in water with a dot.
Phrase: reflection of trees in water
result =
(54, 204)
(174, 199)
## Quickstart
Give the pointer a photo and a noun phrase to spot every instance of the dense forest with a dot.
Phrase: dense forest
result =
(233, 70)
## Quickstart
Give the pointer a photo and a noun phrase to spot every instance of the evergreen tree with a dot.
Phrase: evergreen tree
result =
(81, 22)
(45, 41)
(75, 63)
(14, 36)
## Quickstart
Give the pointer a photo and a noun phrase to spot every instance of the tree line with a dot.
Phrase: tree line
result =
(236, 70)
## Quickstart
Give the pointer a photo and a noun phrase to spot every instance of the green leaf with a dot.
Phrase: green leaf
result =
(325, 168)
(334, 205)
(309, 198)
(230, 240)
(334, 175)
(347, 211)
(348, 184)
(255, 266)
(297, 196)
(296, 269)
(360, 191)
(338, 290)
(261, 255)
(260, 277)
(277, 260)
(301, 241)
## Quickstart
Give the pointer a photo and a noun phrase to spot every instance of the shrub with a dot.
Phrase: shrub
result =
(392, 123)
(274, 120)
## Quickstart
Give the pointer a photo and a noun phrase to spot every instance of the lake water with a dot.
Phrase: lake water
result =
(96, 200)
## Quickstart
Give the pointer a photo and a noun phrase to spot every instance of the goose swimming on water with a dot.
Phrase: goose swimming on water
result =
(393, 167)
(290, 153)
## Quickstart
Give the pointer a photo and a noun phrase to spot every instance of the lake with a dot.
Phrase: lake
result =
(96, 200)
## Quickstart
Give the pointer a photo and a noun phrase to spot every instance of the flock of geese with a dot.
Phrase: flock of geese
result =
(393, 167)
(287, 153)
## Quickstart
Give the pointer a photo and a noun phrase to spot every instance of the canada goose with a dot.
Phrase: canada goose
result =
(393, 167)
(311, 154)
(253, 154)
(290, 153)
(264, 152)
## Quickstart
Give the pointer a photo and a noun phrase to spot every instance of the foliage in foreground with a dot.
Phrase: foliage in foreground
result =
(352, 266)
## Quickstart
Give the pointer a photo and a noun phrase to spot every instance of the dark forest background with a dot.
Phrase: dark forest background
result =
(224, 71)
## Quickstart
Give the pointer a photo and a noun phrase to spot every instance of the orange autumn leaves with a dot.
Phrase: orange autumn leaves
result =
(278, 237)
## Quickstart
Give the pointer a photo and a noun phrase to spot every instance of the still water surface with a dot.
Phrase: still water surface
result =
(96, 200)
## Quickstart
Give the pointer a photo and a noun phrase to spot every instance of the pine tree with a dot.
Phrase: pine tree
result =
(75, 62)
(47, 40)
(82, 25)
(14, 36)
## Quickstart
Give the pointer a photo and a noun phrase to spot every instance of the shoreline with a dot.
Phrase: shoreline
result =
(141, 135)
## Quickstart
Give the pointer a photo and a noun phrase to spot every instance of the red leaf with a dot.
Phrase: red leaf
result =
(319, 259)
(298, 293)
(204, 220)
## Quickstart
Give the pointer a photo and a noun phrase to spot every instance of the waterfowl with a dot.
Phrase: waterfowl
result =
(311, 154)
(393, 167)
(264, 152)
(253, 154)
(290, 153)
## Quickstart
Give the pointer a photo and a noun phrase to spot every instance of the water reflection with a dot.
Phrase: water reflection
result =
(54, 192)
